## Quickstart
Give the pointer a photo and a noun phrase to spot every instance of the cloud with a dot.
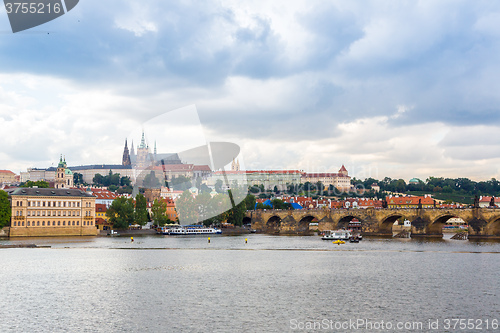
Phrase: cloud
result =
(379, 85)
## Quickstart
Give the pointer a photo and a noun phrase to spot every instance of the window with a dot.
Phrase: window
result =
(73, 222)
(64, 204)
(59, 204)
(38, 213)
(43, 223)
(38, 203)
(64, 222)
(23, 223)
(29, 203)
(77, 222)
(77, 204)
(28, 223)
(14, 223)
(53, 223)
(38, 223)
(58, 213)
(84, 223)
(43, 204)
(58, 222)
(64, 213)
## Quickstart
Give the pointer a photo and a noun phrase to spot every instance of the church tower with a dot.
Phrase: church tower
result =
(126, 155)
(64, 176)
(235, 165)
(142, 154)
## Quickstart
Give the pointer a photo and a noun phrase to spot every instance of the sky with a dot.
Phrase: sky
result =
(388, 88)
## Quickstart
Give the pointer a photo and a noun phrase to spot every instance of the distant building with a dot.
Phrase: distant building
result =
(340, 180)
(51, 212)
(485, 201)
(414, 181)
(409, 201)
(7, 176)
(375, 187)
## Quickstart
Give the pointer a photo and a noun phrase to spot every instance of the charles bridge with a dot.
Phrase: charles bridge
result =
(425, 222)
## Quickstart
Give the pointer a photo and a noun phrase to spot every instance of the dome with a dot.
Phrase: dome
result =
(68, 172)
(415, 180)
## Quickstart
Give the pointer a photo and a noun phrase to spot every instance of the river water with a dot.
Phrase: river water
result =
(270, 284)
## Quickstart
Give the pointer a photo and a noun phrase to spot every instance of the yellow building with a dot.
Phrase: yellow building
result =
(7, 176)
(51, 212)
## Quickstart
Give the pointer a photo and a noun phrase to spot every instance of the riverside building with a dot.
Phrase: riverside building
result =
(51, 212)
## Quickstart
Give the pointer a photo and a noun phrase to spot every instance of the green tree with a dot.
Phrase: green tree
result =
(181, 183)
(125, 181)
(141, 212)
(121, 213)
(39, 184)
(250, 202)
(218, 186)
(236, 214)
(159, 210)
(98, 179)
(186, 209)
(78, 178)
(5, 209)
(150, 181)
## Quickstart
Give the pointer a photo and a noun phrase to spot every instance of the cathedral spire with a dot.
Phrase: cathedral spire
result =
(132, 152)
(126, 155)
(143, 141)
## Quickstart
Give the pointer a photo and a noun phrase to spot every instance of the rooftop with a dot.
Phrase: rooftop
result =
(48, 192)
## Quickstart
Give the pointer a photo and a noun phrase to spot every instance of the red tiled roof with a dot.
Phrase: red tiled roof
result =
(104, 194)
(100, 208)
(202, 168)
(488, 199)
(342, 168)
(7, 171)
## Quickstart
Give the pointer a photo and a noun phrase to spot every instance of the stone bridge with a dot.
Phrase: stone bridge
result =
(425, 222)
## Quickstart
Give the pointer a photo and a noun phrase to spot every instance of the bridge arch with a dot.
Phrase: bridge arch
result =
(303, 223)
(273, 224)
(493, 227)
(387, 223)
(247, 220)
(436, 226)
(343, 222)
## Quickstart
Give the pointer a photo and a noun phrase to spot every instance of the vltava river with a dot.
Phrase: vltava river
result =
(270, 284)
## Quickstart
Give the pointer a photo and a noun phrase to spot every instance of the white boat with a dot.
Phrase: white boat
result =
(191, 231)
(337, 235)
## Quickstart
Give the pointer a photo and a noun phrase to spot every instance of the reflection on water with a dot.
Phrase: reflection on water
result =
(174, 284)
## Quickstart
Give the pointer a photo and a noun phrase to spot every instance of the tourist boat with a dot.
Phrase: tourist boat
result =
(337, 235)
(190, 230)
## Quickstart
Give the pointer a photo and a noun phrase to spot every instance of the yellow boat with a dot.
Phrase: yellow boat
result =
(338, 242)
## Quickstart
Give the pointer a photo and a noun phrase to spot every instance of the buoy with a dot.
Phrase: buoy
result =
(246, 240)
(208, 239)
(131, 239)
